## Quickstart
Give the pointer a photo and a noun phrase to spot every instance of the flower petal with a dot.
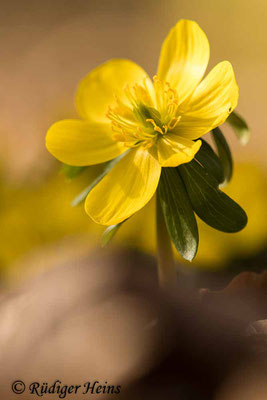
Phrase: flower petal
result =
(81, 143)
(211, 103)
(125, 190)
(96, 91)
(174, 150)
(184, 58)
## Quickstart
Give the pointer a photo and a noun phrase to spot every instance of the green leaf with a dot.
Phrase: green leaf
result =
(211, 205)
(240, 127)
(210, 161)
(82, 196)
(224, 152)
(178, 213)
(70, 171)
(109, 233)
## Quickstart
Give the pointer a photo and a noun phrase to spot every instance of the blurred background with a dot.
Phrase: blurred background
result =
(87, 314)
(46, 48)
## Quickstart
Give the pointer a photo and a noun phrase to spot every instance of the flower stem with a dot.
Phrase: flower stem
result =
(166, 265)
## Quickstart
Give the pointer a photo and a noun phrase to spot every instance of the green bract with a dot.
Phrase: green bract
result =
(178, 213)
(71, 172)
(240, 127)
(224, 153)
(109, 233)
(211, 205)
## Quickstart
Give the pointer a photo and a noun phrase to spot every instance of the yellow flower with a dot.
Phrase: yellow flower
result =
(159, 120)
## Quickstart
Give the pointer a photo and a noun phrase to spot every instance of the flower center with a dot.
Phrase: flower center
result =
(146, 111)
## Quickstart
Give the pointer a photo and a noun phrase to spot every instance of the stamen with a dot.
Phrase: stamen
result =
(150, 109)
(165, 127)
(173, 122)
(155, 126)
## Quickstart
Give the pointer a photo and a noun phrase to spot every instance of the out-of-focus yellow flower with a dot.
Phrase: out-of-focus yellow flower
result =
(158, 120)
(33, 216)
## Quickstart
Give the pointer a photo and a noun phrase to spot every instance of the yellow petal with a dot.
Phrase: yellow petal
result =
(96, 91)
(174, 150)
(211, 103)
(184, 57)
(124, 190)
(80, 143)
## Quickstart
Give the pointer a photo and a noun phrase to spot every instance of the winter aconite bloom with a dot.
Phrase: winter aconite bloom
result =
(156, 123)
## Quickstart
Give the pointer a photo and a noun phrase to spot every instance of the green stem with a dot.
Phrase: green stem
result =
(166, 265)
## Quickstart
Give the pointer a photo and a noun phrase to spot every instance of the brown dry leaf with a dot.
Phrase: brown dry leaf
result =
(249, 289)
